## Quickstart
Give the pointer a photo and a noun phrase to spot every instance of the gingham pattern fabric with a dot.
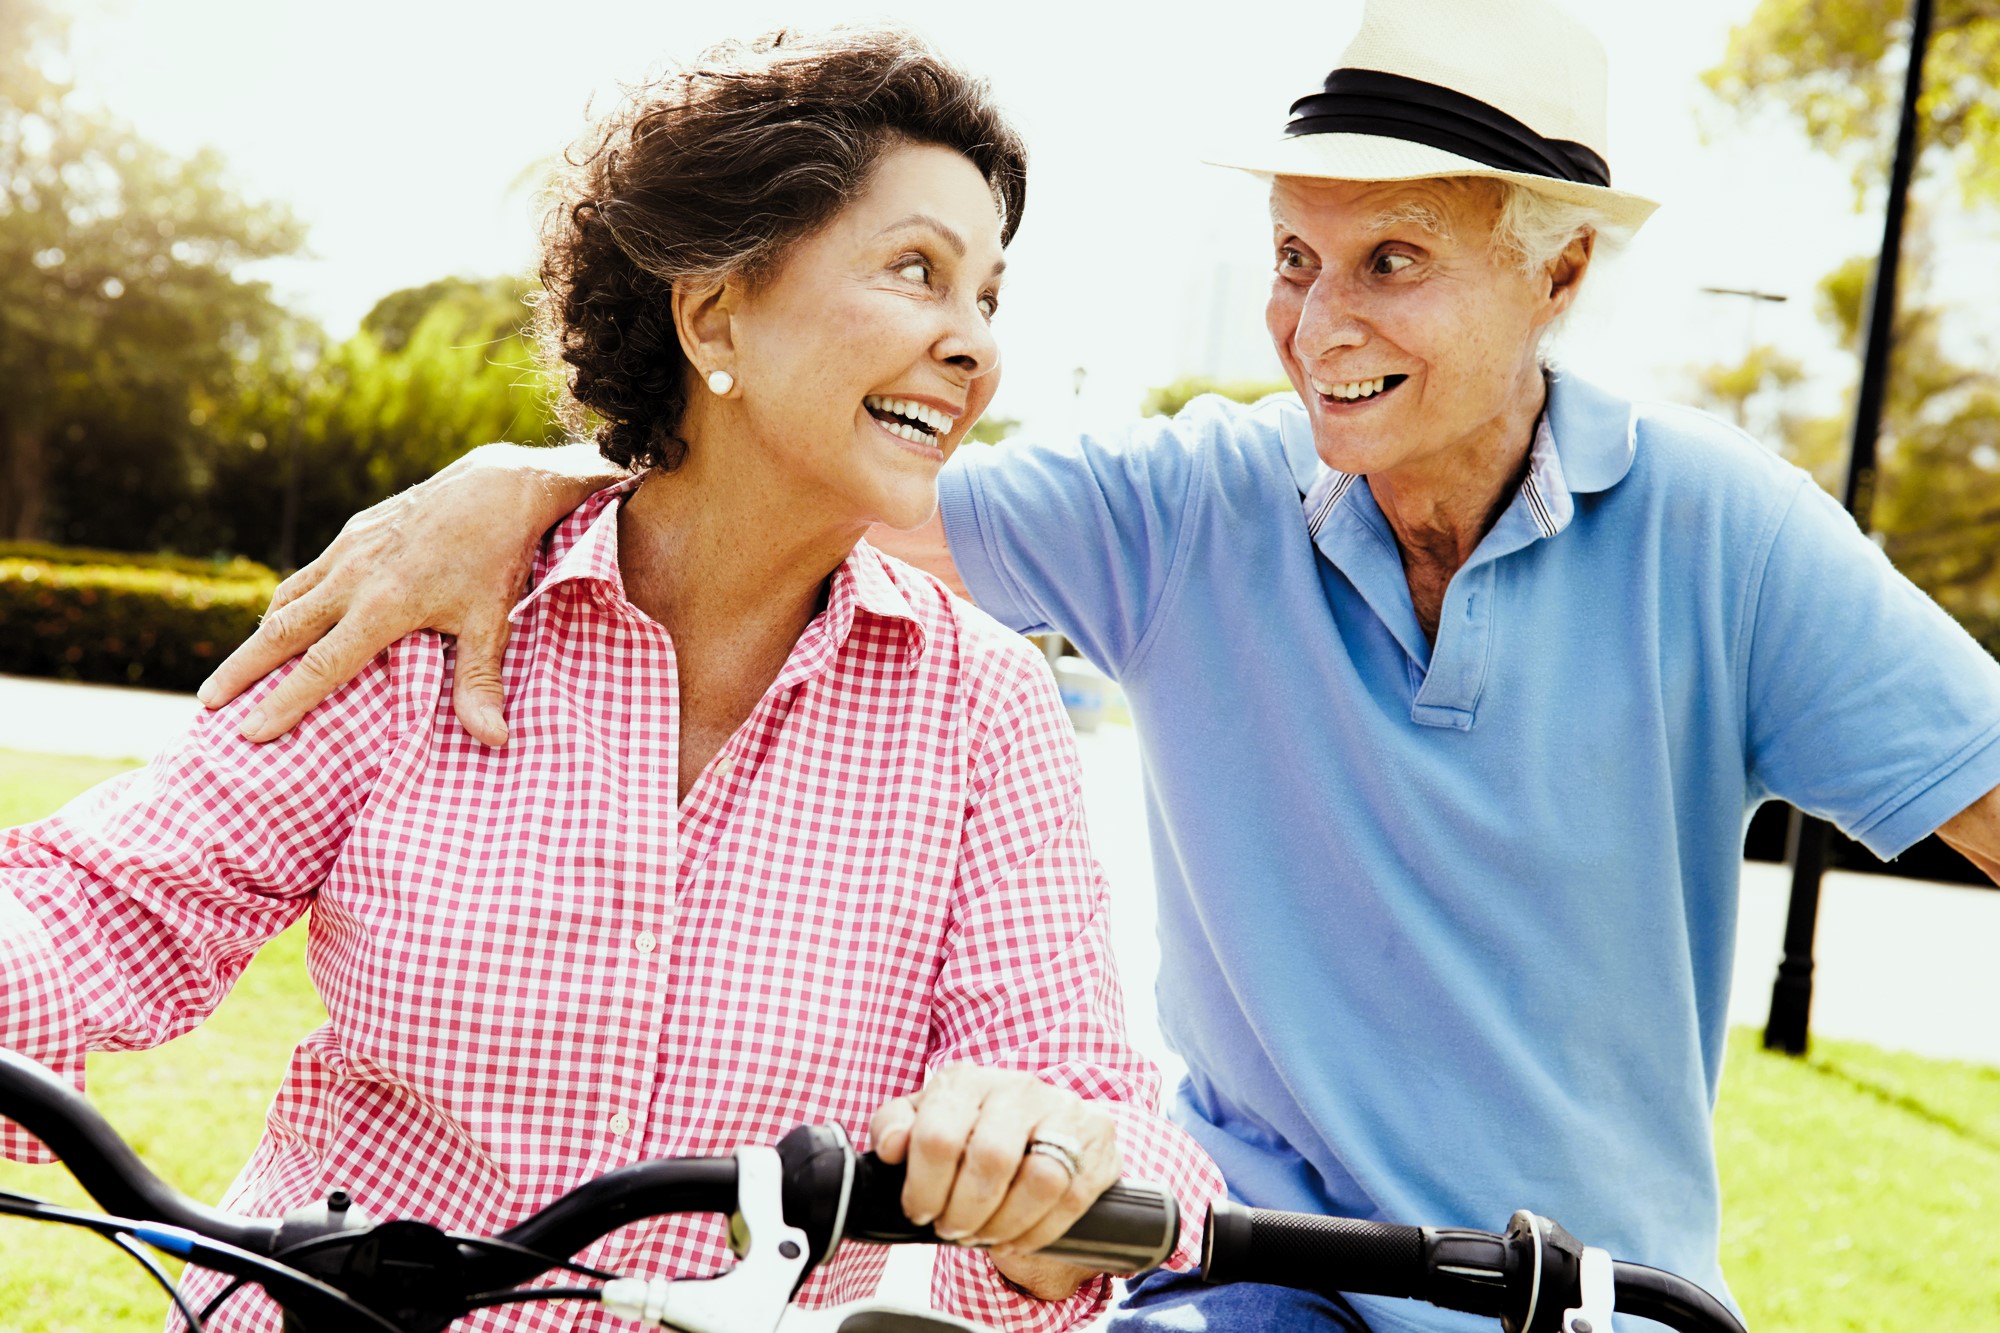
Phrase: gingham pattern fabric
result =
(538, 968)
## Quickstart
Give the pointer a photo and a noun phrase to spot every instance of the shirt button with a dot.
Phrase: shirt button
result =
(645, 942)
(722, 766)
(620, 1123)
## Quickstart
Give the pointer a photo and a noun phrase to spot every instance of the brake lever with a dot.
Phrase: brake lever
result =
(1599, 1296)
(752, 1296)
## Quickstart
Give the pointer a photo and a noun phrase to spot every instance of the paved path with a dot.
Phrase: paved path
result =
(97, 721)
(1901, 964)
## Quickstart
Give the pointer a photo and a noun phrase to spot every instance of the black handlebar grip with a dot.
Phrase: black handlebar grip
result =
(1132, 1226)
(1323, 1254)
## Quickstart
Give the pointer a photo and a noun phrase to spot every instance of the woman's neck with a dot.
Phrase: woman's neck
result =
(717, 546)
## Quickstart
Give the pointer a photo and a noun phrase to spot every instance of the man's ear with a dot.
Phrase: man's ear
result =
(703, 320)
(1565, 272)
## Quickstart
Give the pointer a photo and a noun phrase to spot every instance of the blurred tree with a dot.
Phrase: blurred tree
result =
(320, 432)
(119, 302)
(1836, 67)
(1169, 399)
(1755, 392)
(990, 429)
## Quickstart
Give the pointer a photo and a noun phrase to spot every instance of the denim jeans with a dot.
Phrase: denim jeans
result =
(1167, 1302)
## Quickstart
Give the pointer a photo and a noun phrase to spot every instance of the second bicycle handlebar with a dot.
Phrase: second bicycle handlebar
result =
(1525, 1278)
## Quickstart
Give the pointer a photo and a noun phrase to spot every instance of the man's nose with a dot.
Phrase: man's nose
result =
(1328, 321)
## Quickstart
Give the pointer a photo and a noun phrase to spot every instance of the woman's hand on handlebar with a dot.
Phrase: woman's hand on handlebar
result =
(450, 554)
(970, 1176)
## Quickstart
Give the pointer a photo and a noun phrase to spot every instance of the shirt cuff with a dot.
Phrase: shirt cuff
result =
(1916, 814)
(37, 1020)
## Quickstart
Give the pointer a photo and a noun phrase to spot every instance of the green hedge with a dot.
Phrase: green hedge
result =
(158, 621)
(236, 569)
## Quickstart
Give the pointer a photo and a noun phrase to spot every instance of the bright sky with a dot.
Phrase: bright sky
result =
(402, 132)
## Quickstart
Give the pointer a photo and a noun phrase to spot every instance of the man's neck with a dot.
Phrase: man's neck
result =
(1441, 507)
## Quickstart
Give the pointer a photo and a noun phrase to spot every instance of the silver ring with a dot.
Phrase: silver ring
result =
(1061, 1149)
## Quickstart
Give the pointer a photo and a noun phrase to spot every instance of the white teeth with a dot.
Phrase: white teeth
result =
(910, 433)
(939, 422)
(1352, 389)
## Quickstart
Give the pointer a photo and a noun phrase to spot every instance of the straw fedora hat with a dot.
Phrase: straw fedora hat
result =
(1512, 89)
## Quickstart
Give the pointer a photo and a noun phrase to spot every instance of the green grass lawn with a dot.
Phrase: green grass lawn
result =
(192, 1109)
(31, 785)
(1861, 1188)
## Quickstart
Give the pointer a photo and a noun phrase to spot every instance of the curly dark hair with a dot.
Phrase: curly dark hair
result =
(716, 169)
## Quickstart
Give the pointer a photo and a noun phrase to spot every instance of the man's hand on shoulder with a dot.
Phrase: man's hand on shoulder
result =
(451, 554)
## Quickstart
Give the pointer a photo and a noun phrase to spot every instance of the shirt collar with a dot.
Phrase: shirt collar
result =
(583, 548)
(863, 584)
(1584, 443)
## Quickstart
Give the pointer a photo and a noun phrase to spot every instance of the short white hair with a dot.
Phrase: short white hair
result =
(1537, 227)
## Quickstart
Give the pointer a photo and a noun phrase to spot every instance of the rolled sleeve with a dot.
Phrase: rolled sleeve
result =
(126, 917)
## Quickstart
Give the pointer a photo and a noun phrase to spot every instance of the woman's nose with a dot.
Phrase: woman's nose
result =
(970, 344)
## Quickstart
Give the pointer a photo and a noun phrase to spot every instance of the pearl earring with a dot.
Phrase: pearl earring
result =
(720, 382)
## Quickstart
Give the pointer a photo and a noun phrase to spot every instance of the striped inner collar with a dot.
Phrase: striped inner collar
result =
(1544, 490)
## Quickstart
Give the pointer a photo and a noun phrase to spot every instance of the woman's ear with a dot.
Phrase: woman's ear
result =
(703, 319)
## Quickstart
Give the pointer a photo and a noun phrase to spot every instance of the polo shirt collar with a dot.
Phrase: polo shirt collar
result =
(585, 546)
(1584, 443)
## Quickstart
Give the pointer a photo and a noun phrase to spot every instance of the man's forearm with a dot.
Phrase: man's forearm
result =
(1975, 833)
(561, 475)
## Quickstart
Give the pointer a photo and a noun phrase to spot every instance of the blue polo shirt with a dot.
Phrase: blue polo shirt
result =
(1446, 930)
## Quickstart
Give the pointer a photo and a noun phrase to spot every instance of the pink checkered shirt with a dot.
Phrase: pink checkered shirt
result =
(537, 967)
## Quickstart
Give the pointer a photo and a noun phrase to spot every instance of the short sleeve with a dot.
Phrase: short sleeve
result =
(1867, 705)
(1081, 535)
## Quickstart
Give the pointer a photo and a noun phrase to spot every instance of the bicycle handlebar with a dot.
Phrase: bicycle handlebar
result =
(104, 1164)
(338, 1267)
(1535, 1278)
(790, 1208)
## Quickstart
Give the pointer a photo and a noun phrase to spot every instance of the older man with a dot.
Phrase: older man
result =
(1455, 681)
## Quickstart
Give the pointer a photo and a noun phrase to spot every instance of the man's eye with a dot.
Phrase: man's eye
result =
(990, 304)
(1290, 258)
(915, 270)
(1387, 264)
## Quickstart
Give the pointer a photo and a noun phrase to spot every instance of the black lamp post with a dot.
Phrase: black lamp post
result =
(1791, 993)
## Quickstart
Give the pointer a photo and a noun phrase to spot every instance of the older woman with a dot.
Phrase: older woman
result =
(783, 831)
(1448, 875)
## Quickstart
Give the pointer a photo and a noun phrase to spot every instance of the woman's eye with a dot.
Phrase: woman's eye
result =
(915, 271)
(1386, 264)
(989, 304)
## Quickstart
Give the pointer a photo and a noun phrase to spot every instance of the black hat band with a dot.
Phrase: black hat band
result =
(1367, 101)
